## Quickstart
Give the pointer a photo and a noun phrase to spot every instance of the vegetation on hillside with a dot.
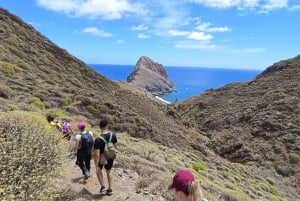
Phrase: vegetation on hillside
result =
(241, 140)
(35, 71)
(29, 156)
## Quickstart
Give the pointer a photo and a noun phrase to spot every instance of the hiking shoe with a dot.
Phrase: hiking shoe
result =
(102, 189)
(87, 175)
(109, 191)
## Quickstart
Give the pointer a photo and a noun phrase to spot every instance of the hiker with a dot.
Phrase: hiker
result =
(52, 123)
(103, 157)
(84, 147)
(66, 129)
(186, 187)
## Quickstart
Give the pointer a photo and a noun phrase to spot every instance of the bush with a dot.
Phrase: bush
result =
(5, 91)
(67, 101)
(282, 169)
(294, 158)
(26, 161)
(199, 166)
(36, 102)
(7, 68)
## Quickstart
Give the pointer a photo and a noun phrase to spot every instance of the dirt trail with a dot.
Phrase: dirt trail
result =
(123, 185)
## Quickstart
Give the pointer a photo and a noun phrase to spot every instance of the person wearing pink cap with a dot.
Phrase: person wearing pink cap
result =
(186, 187)
(84, 144)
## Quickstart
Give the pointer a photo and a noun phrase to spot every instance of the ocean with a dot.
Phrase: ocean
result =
(188, 81)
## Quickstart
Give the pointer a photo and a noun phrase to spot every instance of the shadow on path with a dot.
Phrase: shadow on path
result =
(87, 195)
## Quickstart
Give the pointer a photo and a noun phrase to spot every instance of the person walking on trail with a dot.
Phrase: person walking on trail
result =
(84, 146)
(52, 123)
(105, 154)
(186, 187)
(67, 129)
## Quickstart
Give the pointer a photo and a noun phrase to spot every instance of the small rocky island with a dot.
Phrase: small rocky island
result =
(150, 77)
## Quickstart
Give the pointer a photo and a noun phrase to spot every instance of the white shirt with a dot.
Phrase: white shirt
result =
(78, 136)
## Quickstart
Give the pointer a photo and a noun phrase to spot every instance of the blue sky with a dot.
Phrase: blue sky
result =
(245, 34)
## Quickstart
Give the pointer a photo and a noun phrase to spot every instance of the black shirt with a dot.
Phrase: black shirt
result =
(100, 144)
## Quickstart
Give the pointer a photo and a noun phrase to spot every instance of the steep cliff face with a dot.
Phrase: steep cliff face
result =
(151, 77)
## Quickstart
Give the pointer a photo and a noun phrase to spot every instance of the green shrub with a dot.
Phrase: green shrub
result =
(197, 166)
(7, 68)
(29, 155)
(5, 91)
(36, 102)
(283, 169)
(92, 109)
(57, 113)
(270, 180)
(67, 101)
(24, 65)
(294, 158)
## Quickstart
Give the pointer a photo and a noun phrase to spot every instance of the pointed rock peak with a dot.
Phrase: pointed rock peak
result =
(151, 77)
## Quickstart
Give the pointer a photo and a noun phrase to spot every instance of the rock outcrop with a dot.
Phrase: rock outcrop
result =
(151, 77)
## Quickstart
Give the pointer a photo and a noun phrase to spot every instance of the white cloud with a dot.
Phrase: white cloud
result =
(67, 6)
(294, 8)
(164, 15)
(259, 5)
(201, 36)
(173, 32)
(218, 3)
(120, 42)
(195, 45)
(274, 5)
(97, 32)
(206, 27)
(103, 9)
(142, 36)
(140, 28)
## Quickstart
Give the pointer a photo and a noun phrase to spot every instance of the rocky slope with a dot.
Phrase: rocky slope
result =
(151, 77)
(255, 121)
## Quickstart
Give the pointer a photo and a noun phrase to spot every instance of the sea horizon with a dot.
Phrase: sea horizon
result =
(188, 81)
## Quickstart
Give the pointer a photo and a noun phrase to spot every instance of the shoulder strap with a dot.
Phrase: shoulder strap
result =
(103, 139)
(110, 137)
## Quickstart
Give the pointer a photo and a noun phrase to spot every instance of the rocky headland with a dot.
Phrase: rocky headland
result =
(150, 77)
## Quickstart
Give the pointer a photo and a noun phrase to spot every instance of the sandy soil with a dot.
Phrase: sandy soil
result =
(123, 185)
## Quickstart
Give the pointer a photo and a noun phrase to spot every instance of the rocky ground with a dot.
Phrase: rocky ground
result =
(71, 180)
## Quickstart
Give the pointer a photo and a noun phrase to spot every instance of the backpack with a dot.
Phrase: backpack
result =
(65, 128)
(109, 149)
(86, 143)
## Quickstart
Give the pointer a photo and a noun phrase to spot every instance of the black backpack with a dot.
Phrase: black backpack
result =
(86, 143)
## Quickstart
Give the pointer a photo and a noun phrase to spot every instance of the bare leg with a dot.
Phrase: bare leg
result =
(100, 176)
(109, 178)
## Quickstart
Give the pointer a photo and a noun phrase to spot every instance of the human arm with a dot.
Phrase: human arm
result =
(70, 129)
(77, 142)
(96, 152)
(96, 157)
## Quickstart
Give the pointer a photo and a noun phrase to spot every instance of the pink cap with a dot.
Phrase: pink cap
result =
(182, 180)
(81, 125)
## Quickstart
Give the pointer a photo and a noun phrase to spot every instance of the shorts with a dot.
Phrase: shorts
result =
(108, 166)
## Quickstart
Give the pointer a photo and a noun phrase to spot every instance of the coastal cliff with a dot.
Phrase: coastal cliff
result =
(150, 77)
